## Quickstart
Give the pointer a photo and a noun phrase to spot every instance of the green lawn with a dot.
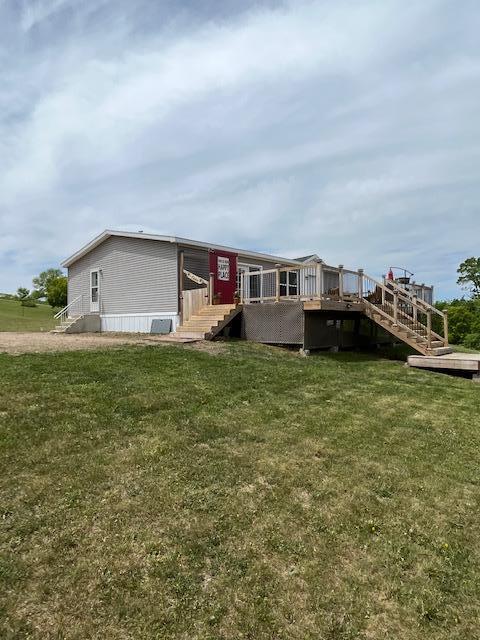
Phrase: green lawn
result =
(165, 492)
(14, 317)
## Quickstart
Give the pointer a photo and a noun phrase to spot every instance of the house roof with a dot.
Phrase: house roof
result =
(311, 258)
(174, 240)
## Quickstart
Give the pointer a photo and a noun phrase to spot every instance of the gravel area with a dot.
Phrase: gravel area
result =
(18, 343)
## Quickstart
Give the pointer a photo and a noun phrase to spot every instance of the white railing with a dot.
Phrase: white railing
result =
(67, 311)
(307, 282)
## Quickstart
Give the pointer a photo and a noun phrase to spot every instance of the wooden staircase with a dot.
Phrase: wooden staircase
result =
(405, 316)
(208, 321)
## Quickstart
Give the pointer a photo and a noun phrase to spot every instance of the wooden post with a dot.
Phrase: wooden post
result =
(415, 308)
(383, 294)
(429, 329)
(340, 281)
(180, 282)
(242, 287)
(319, 278)
(445, 326)
(277, 283)
(360, 284)
(210, 288)
(395, 307)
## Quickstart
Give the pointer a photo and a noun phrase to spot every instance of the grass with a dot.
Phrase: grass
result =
(163, 492)
(14, 317)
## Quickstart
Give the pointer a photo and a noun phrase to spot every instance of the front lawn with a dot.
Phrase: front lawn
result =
(166, 492)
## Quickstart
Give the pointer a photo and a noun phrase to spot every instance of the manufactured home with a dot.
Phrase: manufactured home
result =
(141, 282)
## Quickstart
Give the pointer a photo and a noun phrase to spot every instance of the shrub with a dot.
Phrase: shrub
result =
(28, 302)
(472, 340)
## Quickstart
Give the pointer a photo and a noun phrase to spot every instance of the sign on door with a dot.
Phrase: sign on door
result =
(223, 268)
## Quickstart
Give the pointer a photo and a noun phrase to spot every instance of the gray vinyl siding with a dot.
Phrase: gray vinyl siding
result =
(196, 261)
(253, 261)
(138, 276)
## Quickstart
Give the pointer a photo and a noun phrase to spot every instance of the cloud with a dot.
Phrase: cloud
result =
(347, 129)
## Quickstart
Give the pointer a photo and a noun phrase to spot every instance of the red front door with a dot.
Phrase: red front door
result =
(223, 265)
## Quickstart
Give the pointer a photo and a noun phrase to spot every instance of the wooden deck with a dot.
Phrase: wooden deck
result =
(468, 362)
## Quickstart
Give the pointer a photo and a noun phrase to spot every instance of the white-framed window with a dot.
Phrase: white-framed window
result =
(95, 290)
(288, 283)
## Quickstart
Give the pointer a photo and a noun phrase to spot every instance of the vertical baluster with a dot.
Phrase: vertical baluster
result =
(395, 307)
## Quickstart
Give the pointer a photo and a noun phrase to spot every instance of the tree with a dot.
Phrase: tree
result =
(469, 277)
(22, 293)
(41, 282)
(57, 292)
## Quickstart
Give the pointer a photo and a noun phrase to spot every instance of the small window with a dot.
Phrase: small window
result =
(94, 286)
(288, 283)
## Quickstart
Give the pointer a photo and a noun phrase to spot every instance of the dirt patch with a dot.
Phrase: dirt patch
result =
(213, 348)
(19, 343)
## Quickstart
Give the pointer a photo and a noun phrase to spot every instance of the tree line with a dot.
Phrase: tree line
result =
(50, 285)
(464, 313)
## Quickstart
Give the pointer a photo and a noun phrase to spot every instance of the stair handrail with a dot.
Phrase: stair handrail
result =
(194, 278)
(393, 286)
(63, 313)
(418, 305)
(403, 314)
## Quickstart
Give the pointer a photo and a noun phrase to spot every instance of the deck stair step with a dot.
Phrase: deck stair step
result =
(208, 321)
(66, 324)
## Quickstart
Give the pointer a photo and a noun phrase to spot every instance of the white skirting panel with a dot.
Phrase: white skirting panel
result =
(135, 322)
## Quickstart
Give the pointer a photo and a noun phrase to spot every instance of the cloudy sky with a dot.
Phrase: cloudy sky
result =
(347, 128)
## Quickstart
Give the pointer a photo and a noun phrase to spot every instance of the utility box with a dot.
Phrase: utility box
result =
(161, 326)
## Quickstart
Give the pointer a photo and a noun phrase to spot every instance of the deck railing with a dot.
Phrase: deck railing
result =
(307, 282)
(318, 281)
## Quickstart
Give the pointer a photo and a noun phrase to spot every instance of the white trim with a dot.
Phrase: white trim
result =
(135, 322)
(150, 314)
(173, 240)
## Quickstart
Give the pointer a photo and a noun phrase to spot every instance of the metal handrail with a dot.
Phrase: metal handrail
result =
(63, 313)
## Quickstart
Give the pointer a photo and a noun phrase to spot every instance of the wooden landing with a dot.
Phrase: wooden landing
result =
(469, 362)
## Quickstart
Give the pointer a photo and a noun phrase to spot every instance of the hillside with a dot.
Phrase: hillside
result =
(14, 317)
(239, 492)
